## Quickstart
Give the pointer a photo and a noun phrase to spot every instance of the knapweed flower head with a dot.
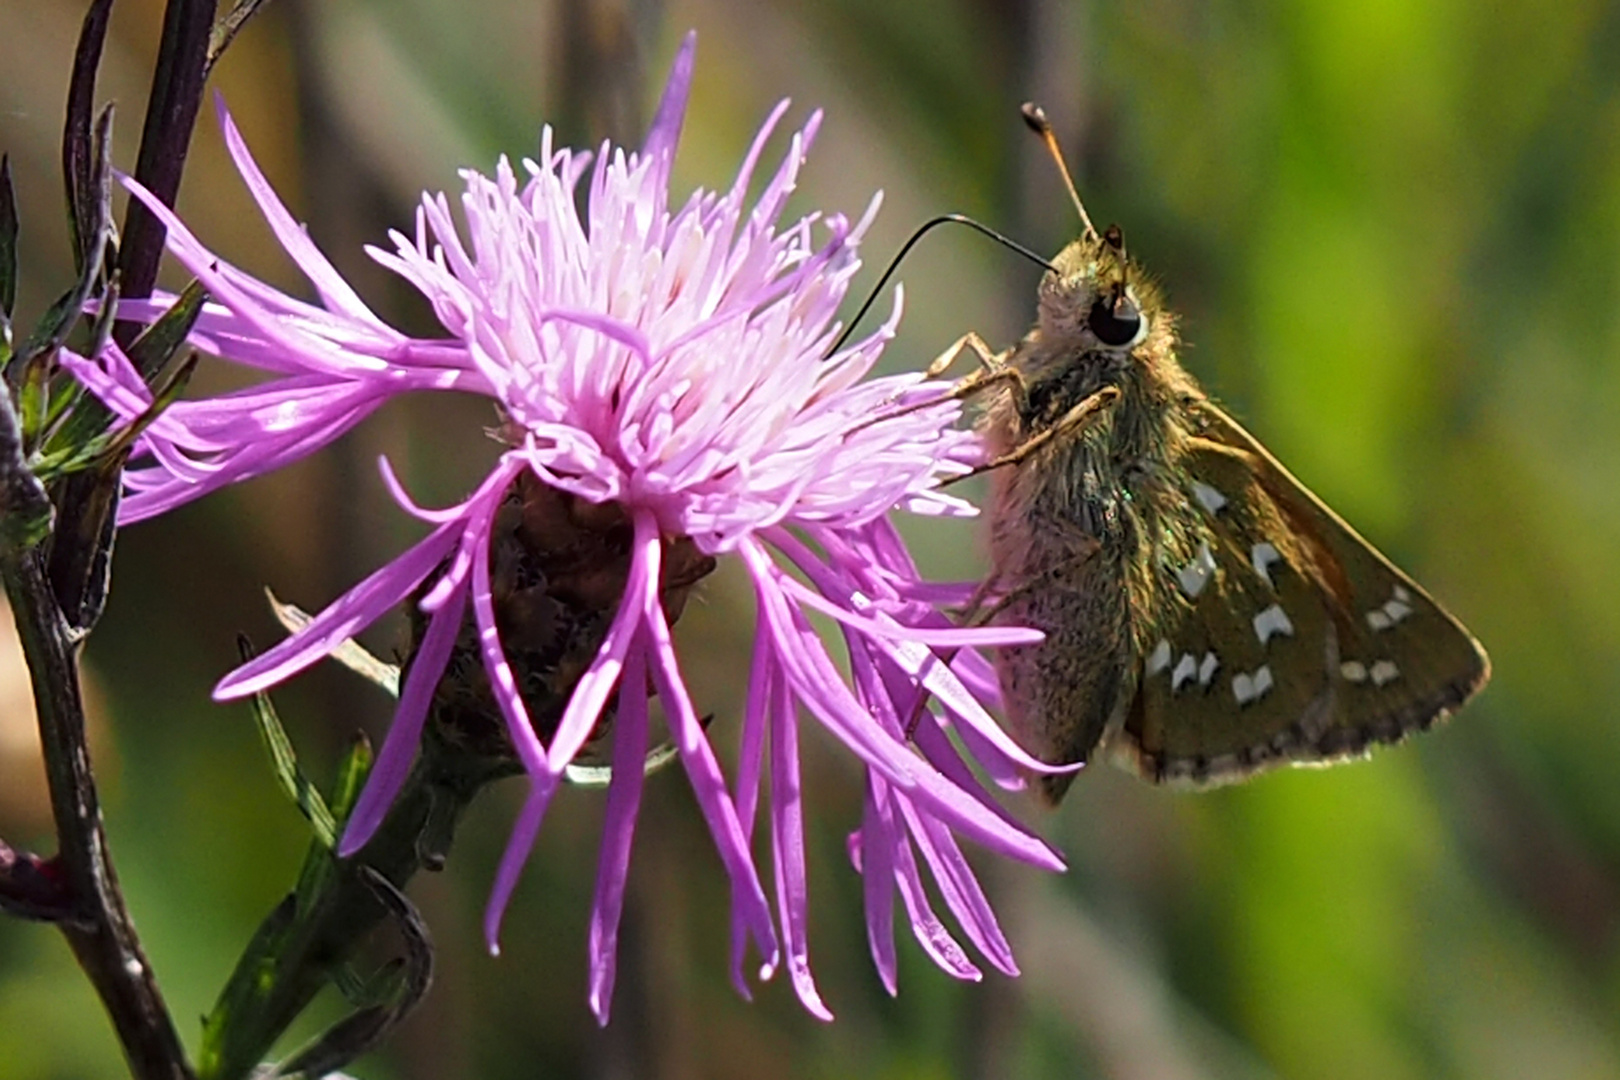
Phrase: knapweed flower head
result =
(668, 395)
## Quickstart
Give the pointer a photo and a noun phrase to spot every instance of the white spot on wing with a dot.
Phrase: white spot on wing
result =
(1262, 680)
(1353, 671)
(1273, 620)
(1159, 658)
(1263, 555)
(1384, 671)
(1396, 608)
(1196, 574)
(1211, 499)
(1252, 687)
(1206, 670)
(1186, 668)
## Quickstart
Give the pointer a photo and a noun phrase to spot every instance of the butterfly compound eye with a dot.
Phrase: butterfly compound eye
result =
(1115, 322)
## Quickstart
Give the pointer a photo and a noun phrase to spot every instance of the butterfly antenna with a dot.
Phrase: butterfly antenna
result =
(905, 249)
(1035, 117)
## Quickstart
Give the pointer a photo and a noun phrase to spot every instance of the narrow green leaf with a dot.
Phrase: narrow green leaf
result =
(161, 342)
(53, 328)
(405, 982)
(108, 451)
(284, 764)
(253, 974)
(351, 777)
(227, 27)
(76, 147)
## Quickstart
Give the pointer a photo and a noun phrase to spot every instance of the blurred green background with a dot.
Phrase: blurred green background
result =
(1393, 232)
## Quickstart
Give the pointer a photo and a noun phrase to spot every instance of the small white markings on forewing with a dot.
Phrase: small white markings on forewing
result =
(1206, 670)
(1196, 574)
(1263, 555)
(1262, 680)
(1248, 687)
(1186, 668)
(1208, 497)
(1273, 620)
(1384, 671)
(1353, 671)
(1243, 687)
(1396, 608)
(1159, 658)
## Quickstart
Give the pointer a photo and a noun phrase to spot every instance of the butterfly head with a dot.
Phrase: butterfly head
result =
(1096, 300)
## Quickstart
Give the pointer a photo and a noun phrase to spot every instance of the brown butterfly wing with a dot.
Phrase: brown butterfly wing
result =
(1291, 641)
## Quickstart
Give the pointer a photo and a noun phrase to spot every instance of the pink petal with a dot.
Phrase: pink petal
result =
(618, 829)
(405, 732)
(343, 618)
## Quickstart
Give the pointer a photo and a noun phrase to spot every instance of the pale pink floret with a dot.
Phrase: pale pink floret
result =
(675, 362)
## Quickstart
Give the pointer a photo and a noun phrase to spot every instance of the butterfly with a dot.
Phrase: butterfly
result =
(1206, 616)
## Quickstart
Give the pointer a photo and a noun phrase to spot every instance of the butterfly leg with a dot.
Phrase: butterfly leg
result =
(991, 371)
(969, 342)
(1070, 423)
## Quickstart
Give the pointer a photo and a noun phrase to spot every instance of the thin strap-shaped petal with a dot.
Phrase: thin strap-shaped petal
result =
(960, 889)
(618, 830)
(875, 862)
(708, 783)
(519, 727)
(591, 693)
(787, 840)
(830, 699)
(343, 618)
(541, 788)
(818, 684)
(405, 731)
(931, 934)
(665, 131)
(909, 654)
(336, 292)
(313, 353)
(764, 682)
(946, 637)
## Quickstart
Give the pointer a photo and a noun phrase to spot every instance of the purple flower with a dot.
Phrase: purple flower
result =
(670, 367)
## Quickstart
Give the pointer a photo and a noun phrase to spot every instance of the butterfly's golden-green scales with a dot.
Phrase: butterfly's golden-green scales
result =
(1206, 616)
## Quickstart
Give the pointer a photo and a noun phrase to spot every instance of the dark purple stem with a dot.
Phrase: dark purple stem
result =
(171, 113)
(77, 889)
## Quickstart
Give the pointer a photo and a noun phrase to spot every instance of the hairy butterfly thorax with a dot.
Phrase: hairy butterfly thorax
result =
(1206, 616)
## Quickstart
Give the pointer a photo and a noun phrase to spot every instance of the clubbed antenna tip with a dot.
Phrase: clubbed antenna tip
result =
(1035, 117)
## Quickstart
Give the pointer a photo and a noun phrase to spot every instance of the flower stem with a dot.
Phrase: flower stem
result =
(92, 915)
(308, 938)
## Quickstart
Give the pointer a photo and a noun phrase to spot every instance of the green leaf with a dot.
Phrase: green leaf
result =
(402, 984)
(108, 451)
(351, 777)
(73, 446)
(58, 321)
(161, 342)
(284, 764)
(254, 972)
(76, 149)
